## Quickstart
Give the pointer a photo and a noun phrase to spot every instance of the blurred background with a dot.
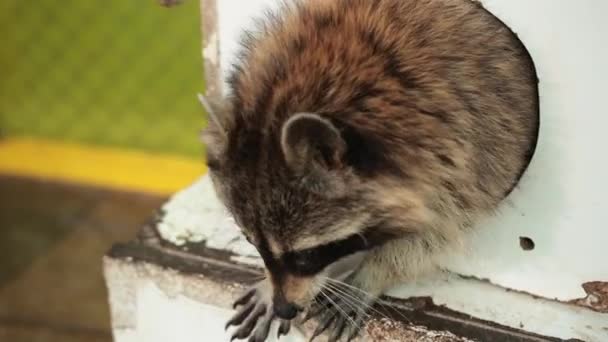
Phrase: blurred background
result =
(98, 126)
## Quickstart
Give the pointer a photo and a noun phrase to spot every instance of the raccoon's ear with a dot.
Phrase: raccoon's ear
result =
(314, 149)
(215, 136)
(308, 140)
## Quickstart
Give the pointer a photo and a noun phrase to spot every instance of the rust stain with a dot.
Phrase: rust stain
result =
(597, 296)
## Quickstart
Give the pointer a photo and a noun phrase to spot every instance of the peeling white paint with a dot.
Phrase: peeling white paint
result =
(196, 215)
(508, 308)
(162, 318)
(210, 52)
(192, 214)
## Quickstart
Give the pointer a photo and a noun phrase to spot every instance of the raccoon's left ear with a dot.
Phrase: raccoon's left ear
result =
(314, 149)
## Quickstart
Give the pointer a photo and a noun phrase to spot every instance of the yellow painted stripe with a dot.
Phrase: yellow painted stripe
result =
(99, 166)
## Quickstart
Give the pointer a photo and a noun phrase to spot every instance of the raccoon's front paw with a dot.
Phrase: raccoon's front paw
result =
(255, 315)
(341, 310)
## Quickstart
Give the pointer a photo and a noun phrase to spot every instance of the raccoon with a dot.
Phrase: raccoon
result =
(360, 140)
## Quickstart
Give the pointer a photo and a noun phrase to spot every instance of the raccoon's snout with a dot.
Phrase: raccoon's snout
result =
(285, 310)
(290, 295)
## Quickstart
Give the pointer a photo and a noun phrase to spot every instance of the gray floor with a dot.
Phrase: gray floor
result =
(52, 238)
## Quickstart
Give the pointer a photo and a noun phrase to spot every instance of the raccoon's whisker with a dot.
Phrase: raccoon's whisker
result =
(357, 305)
(360, 303)
(384, 303)
(348, 300)
(318, 288)
(339, 282)
(327, 304)
(339, 309)
(357, 302)
(343, 294)
(370, 307)
(396, 310)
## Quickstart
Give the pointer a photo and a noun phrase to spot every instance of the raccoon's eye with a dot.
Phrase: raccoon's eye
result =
(314, 260)
(305, 262)
(301, 264)
(306, 267)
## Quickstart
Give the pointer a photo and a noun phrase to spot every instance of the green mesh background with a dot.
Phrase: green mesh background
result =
(110, 72)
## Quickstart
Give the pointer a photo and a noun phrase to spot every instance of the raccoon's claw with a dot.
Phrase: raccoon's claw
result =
(240, 315)
(341, 312)
(284, 328)
(255, 316)
(244, 298)
(324, 323)
(248, 320)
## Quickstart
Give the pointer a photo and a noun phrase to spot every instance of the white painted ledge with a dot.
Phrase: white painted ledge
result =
(153, 304)
(196, 214)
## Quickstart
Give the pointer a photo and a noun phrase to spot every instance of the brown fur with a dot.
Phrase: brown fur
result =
(435, 100)
(295, 288)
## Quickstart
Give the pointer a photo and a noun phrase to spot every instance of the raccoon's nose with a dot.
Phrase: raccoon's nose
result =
(285, 310)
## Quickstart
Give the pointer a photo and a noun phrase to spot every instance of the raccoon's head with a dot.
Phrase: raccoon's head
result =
(295, 196)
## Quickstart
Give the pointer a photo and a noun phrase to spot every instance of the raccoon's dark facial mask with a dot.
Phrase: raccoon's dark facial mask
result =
(311, 261)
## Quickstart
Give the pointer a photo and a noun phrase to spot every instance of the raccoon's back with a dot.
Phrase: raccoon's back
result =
(440, 86)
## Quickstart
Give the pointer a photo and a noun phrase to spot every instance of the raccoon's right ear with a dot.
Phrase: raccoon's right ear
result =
(314, 149)
(215, 136)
